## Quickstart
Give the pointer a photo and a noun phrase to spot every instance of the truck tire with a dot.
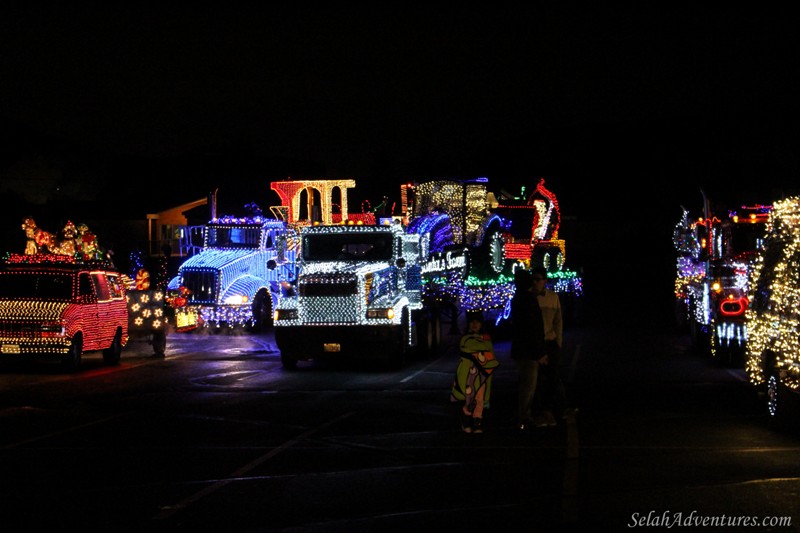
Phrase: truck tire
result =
(430, 335)
(701, 342)
(782, 405)
(681, 316)
(72, 361)
(550, 258)
(288, 360)
(288, 355)
(435, 328)
(159, 342)
(489, 259)
(262, 312)
(396, 357)
(111, 355)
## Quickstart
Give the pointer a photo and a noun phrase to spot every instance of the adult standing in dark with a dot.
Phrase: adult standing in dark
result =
(550, 398)
(527, 343)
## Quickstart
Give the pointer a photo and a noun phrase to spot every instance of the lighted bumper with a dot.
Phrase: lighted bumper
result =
(10, 347)
(315, 341)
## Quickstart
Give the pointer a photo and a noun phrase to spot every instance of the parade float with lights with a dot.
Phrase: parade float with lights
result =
(245, 267)
(773, 319)
(389, 283)
(712, 286)
(532, 239)
(61, 298)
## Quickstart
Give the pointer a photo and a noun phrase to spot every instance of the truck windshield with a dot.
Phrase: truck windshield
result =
(233, 237)
(29, 285)
(747, 237)
(347, 247)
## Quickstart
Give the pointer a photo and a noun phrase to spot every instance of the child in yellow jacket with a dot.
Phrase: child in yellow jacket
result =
(473, 379)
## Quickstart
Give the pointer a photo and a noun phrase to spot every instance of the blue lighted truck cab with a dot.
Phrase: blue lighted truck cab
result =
(241, 274)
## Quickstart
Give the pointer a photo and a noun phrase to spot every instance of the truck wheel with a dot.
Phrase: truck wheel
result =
(430, 334)
(288, 360)
(424, 346)
(159, 343)
(550, 258)
(781, 405)
(489, 258)
(700, 339)
(397, 354)
(112, 354)
(681, 313)
(435, 328)
(262, 312)
(72, 361)
(773, 397)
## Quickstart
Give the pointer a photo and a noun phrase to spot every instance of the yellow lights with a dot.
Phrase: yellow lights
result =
(315, 193)
(716, 286)
(773, 319)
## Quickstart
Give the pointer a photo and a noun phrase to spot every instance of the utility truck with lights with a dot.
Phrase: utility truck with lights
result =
(244, 269)
(712, 288)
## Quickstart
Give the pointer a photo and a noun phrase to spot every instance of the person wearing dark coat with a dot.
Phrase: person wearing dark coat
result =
(527, 344)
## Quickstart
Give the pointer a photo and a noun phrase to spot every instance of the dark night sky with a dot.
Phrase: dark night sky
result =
(626, 113)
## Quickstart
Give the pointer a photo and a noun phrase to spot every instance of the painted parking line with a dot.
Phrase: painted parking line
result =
(170, 510)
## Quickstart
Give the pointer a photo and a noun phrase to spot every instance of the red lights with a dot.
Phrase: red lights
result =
(734, 306)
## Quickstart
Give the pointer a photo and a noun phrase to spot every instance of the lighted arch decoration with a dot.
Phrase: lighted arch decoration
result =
(290, 191)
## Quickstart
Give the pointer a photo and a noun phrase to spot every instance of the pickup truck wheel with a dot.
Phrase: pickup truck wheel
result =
(112, 354)
(72, 361)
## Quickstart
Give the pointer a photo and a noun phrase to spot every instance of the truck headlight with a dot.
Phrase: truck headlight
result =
(236, 299)
(380, 313)
(285, 314)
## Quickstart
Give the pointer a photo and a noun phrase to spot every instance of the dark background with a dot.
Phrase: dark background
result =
(626, 113)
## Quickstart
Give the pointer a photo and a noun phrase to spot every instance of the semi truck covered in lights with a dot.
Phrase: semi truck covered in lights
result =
(245, 267)
(773, 319)
(714, 264)
(358, 287)
(385, 285)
